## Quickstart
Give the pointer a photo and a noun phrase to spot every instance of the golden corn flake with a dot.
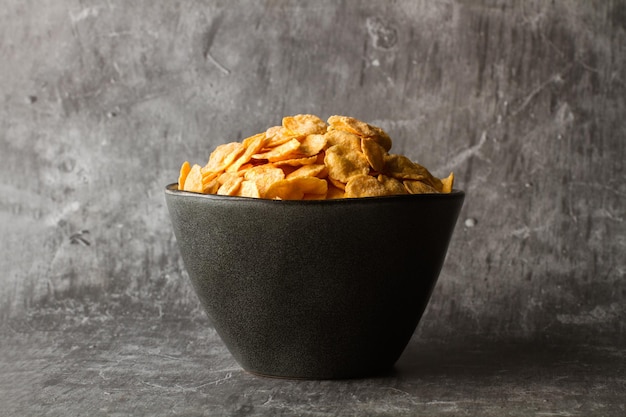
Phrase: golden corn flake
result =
(313, 170)
(193, 182)
(346, 139)
(306, 158)
(304, 124)
(284, 190)
(264, 176)
(343, 163)
(364, 186)
(337, 184)
(296, 188)
(230, 186)
(381, 137)
(312, 144)
(311, 185)
(374, 153)
(392, 185)
(418, 187)
(182, 176)
(277, 135)
(296, 162)
(225, 177)
(334, 192)
(401, 167)
(447, 183)
(223, 156)
(209, 175)
(211, 186)
(350, 124)
(249, 188)
(252, 145)
(281, 152)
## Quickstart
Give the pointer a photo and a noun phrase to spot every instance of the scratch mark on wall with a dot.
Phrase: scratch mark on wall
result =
(222, 68)
(473, 150)
(207, 42)
(467, 153)
(79, 238)
(525, 231)
(84, 14)
(555, 78)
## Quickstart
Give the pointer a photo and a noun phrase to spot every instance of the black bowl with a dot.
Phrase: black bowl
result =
(315, 289)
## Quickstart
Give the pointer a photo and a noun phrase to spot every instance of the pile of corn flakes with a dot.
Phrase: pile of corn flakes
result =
(308, 159)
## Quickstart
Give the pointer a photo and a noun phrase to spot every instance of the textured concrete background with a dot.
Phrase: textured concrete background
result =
(524, 101)
(101, 101)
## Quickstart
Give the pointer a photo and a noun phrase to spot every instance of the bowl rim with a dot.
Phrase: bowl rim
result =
(172, 189)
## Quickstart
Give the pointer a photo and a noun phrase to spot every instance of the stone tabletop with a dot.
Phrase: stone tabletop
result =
(88, 364)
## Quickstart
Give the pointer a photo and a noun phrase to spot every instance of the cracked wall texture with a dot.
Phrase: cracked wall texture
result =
(101, 101)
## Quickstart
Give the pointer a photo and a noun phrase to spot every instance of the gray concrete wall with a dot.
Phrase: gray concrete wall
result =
(101, 101)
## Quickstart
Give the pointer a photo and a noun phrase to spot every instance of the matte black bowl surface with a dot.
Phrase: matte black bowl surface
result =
(315, 289)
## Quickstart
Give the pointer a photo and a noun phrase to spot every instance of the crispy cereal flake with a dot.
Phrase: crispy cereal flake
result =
(306, 158)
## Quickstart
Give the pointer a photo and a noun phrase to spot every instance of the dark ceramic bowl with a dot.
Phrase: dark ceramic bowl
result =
(314, 289)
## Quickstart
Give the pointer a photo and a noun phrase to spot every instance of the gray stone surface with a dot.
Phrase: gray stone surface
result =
(90, 364)
(101, 101)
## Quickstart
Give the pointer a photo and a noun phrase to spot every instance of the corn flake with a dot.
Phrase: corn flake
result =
(343, 163)
(364, 186)
(182, 176)
(306, 158)
(304, 124)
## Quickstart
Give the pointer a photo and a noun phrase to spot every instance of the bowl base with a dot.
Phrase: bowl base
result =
(325, 377)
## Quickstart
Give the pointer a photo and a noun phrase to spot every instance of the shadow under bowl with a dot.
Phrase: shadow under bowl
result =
(318, 289)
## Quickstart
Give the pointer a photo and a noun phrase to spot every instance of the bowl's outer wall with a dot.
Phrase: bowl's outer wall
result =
(316, 289)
